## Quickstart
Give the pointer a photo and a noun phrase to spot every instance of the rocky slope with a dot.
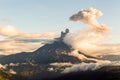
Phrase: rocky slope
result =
(36, 65)
(49, 53)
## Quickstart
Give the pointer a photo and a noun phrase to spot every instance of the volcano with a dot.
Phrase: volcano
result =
(50, 60)
(41, 61)
(57, 51)
(30, 64)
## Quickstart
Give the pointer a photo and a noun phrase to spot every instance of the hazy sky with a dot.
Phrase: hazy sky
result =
(53, 15)
(38, 16)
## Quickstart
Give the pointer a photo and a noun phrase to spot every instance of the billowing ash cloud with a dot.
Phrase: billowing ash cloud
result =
(90, 41)
(88, 16)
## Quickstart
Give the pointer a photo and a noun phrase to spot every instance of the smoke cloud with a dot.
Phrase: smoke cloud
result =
(88, 16)
(90, 41)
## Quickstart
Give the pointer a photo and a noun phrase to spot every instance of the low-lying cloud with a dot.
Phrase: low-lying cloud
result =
(16, 41)
(8, 31)
(11, 31)
(2, 66)
(89, 66)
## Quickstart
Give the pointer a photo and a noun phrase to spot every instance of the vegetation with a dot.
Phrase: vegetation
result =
(5, 75)
(105, 73)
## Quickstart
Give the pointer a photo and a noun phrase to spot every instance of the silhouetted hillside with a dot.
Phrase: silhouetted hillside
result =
(5, 75)
(104, 73)
(36, 65)
(49, 53)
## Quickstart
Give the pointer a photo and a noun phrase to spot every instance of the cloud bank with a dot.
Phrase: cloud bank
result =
(11, 31)
(89, 66)
(16, 41)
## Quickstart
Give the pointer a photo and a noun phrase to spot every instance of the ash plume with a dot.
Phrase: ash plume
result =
(90, 40)
(88, 16)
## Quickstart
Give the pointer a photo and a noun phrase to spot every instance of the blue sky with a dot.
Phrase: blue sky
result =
(53, 15)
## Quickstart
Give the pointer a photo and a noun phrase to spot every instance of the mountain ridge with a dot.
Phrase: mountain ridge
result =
(49, 53)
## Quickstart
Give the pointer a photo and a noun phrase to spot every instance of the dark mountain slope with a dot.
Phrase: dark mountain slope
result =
(49, 53)
(15, 58)
(55, 52)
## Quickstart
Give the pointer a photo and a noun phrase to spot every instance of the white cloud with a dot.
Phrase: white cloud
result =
(90, 66)
(2, 66)
(17, 41)
(9, 31)
(12, 71)
(11, 47)
(61, 64)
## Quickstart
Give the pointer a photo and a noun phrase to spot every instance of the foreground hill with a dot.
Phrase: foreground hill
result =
(5, 75)
(104, 73)
(36, 65)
